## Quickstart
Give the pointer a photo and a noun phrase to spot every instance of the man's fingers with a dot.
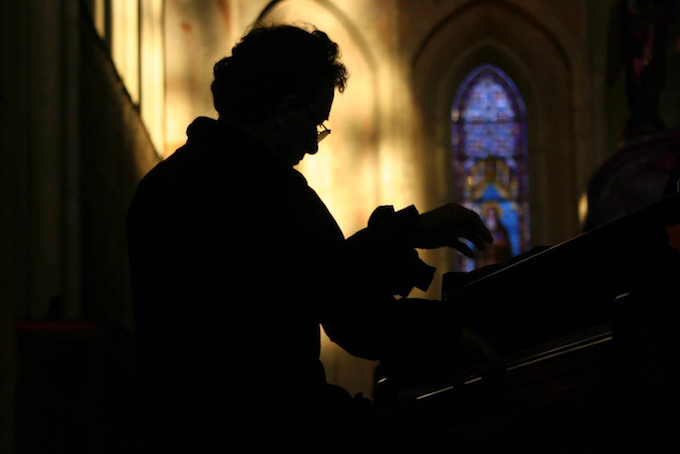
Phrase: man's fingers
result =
(477, 238)
(463, 248)
(482, 229)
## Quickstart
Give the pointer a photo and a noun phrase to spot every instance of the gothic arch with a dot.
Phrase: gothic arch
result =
(341, 18)
(536, 60)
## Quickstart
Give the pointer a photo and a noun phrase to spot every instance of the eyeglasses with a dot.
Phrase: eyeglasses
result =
(321, 130)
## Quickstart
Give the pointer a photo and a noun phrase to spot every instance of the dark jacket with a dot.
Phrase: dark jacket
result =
(236, 263)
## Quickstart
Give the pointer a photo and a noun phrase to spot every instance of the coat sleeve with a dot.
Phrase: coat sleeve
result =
(382, 254)
(364, 315)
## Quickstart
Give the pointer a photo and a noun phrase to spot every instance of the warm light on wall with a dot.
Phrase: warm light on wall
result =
(345, 172)
(125, 43)
(99, 17)
(360, 165)
(195, 38)
(583, 208)
(135, 31)
(152, 104)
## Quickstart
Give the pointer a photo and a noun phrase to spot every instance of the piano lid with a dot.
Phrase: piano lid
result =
(570, 286)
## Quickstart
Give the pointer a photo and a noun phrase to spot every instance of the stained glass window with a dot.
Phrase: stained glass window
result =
(490, 161)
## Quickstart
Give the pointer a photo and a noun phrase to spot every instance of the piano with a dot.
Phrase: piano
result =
(574, 347)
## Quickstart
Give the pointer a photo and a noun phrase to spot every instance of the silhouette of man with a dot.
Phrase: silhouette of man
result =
(236, 262)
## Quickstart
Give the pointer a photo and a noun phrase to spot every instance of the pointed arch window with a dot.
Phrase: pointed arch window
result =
(490, 161)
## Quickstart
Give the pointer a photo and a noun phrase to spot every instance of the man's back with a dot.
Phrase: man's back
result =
(216, 329)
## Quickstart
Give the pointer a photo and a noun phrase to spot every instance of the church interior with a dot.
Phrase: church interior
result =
(557, 117)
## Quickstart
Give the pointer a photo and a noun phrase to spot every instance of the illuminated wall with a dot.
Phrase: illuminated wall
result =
(360, 165)
(364, 163)
(134, 32)
(195, 38)
(345, 172)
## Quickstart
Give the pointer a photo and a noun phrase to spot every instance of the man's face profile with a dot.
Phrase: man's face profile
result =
(299, 135)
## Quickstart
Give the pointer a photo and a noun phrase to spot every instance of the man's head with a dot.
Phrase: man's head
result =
(281, 78)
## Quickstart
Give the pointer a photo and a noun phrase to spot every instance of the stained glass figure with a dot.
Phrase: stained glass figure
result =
(490, 161)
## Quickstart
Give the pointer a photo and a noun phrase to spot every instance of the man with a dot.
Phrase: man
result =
(236, 262)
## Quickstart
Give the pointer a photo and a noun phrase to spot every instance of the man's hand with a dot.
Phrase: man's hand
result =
(447, 225)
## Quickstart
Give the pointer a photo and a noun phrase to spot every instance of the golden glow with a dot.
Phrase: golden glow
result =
(152, 103)
(125, 43)
(583, 208)
(351, 163)
(365, 162)
(195, 38)
(137, 50)
(99, 17)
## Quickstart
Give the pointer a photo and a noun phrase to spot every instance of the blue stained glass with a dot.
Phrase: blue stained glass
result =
(487, 101)
(489, 151)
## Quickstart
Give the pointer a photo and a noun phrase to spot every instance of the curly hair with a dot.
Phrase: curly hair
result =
(271, 62)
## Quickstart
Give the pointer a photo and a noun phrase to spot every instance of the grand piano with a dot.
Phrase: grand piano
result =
(568, 348)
